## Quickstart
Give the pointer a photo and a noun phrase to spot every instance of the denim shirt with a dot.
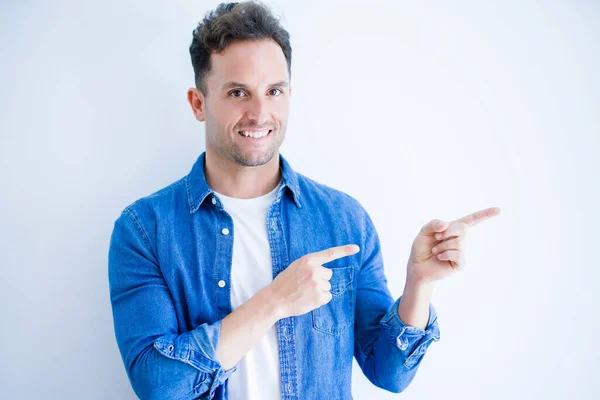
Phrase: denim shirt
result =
(169, 271)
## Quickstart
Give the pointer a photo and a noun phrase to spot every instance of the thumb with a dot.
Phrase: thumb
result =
(433, 226)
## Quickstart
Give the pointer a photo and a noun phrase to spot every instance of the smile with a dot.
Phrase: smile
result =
(255, 134)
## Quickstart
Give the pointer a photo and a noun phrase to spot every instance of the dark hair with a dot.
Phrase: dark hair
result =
(231, 22)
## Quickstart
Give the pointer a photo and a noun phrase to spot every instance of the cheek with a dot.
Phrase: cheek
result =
(281, 112)
(225, 117)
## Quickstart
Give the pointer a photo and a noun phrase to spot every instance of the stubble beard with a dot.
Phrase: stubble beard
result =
(234, 153)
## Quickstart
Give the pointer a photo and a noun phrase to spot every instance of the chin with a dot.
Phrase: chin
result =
(254, 159)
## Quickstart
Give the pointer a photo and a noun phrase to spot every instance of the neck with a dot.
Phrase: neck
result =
(233, 180)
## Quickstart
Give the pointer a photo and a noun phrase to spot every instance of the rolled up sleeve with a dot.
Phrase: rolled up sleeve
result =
(160, 361)
(387, 350)
(410, 341)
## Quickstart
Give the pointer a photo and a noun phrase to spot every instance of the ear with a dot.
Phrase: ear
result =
(196, 100)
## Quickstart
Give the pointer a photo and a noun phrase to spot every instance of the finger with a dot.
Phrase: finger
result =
(433, 226)
(324, 273)
(320, 273)
(449, 255)
(455, 229)
(450, 244)
(479, 216)
(326, 297)
(333, 253)
(325, 286)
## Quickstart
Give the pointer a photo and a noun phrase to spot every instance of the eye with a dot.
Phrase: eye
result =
(275, 90)
(236, 93)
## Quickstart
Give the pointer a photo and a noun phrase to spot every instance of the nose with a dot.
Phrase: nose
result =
(257, 111)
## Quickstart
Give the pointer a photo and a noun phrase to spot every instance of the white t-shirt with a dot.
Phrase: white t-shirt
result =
(257, 376)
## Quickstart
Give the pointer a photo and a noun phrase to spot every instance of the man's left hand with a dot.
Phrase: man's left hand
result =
(438, 250)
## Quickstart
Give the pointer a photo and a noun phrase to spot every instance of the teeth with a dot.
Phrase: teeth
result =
(255, 135)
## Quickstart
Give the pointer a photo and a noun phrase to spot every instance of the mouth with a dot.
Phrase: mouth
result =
(255, 134)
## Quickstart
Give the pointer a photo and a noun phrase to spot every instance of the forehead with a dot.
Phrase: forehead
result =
(251, 62)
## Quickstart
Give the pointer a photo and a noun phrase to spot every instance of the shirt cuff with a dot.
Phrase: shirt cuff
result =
(198, 349)
(408, 339)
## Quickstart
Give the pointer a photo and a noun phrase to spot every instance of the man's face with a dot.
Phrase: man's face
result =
(247, 104)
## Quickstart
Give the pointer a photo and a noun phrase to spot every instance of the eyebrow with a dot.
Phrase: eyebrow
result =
(237, 85)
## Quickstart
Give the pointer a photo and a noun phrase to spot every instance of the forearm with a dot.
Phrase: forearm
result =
(413, 309)
(245, 326)
(389, 348)
(185, 365)
(391, 361)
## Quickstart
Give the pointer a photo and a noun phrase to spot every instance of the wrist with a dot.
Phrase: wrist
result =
(413, 309)
(418, 291)
(413, 279)
(271, 304)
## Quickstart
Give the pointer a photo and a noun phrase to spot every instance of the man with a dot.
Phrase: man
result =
(247, 280)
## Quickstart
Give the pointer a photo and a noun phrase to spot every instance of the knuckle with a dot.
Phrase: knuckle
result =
(308, 259)
(329, 273)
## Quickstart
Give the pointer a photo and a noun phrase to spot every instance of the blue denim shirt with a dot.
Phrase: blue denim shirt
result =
(169, 273)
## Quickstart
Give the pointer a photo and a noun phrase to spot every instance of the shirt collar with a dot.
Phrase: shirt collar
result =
(198, 190)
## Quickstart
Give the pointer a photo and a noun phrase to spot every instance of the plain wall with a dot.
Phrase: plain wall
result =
(420, 110)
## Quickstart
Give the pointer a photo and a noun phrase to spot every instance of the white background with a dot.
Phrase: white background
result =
(420, 110)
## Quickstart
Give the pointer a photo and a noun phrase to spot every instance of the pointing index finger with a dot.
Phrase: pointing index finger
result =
(480, 216)
(334, 253)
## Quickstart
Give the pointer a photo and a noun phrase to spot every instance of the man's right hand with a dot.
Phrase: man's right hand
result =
(304, 284)
(300, 288)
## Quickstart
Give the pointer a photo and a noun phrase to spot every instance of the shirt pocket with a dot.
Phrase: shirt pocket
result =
(337, 316)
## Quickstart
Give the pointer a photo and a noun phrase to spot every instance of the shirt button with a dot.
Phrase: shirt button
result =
(225, 231)
(221, 283)
(214, 201)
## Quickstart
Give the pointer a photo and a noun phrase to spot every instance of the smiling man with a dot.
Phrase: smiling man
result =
(246, 279)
